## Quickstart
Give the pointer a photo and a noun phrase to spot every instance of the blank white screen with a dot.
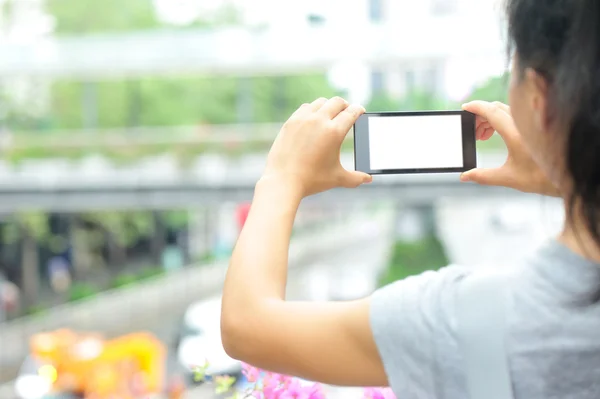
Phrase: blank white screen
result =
(415, 142)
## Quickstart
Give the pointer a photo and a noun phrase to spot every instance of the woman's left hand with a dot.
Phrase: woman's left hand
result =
(306, 152)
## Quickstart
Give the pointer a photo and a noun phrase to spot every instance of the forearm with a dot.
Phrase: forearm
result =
(258, 267)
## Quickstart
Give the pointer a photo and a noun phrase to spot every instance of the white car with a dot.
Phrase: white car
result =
(199, 341)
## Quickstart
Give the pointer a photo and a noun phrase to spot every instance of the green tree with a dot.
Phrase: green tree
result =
(412, 101)
(93, 16)
(383, 102)
(422, 101)
(494, 89)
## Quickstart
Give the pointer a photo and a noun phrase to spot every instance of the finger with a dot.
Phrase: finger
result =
(345, 119)
(333, 107)
(353, 179)
(303, 109)
(487, 134)
(317, 104)
(479, 121)
(502, 106)
(481, 129)
(496, 116)
(487, 177)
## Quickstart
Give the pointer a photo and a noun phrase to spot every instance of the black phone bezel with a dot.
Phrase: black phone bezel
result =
(362, 161)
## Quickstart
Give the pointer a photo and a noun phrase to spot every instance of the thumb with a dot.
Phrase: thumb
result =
(486, 177)
(353, 179)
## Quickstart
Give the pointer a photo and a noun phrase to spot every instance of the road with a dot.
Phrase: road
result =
(361, 264)
(496, 232)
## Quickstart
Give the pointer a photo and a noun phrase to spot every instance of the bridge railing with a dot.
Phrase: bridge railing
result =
(182, 142)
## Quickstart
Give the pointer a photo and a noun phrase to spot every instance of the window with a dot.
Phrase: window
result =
(376, 10)
(444, 7)
(377, 82)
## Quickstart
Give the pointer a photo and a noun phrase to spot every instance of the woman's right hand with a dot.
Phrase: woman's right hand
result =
(520, 171)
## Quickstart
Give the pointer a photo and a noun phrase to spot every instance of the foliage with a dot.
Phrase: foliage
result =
(267, 385)
(413, 101)
(124, 280)
(421, 101)
(150, 272)
(494, 89)
(410, 259)
(126, 227)
(92, 16)
(176, 219)
(35, 223)
(80, 291)
(158, 101)
(129, 278)
(175, 101)
(36, 310)
(382, 102)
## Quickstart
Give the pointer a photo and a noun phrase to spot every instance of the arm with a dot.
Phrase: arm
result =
(325, 342)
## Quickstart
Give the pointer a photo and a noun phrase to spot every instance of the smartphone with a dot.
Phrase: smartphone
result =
(415, 142)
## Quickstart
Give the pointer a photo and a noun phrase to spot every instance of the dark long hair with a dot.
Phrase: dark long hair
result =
(560, 39)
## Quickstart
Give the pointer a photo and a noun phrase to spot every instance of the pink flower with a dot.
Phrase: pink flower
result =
(272, 391)
(276, 380)
(296, 390)
(250, 372)
(379, 393)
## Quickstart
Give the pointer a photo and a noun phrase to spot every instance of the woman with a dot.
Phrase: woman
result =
(405, 334)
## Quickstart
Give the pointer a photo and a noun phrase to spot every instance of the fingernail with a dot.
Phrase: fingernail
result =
(464, 178)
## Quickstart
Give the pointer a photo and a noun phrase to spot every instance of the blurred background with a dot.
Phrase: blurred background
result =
(131, 135)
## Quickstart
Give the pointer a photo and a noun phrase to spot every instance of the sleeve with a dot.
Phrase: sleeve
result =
(414, 326)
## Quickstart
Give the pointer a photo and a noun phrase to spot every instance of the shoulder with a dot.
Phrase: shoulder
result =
(414, 326)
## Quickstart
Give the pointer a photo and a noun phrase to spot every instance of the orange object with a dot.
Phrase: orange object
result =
(130, 366)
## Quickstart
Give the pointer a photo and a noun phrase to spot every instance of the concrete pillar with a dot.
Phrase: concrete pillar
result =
(159, 237)
(30, 269)
(245, 101)
(135, 102)
(117, 254)
(209, 228)
(79, 248)
(280, 99)
(89, 103)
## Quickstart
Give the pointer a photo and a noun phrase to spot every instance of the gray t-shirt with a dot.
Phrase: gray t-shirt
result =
(553, 330)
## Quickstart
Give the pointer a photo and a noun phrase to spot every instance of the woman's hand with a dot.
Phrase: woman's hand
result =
(306, 152)
(520, 170)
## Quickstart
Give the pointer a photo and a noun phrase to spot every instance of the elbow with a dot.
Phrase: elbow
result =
(236, 331)
(243, 336)
(232, 336)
